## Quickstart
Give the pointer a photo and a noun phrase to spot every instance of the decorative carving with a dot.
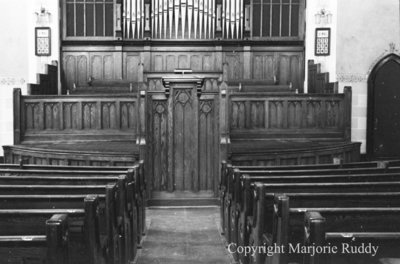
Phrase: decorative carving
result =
(10, 81)
(183, 97)
(351, 77)
(159, 107)
(206, 107)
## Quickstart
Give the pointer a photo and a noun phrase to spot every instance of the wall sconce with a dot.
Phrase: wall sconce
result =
(43, 16)
(323, 17)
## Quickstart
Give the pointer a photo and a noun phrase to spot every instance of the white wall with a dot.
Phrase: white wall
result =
(19, 65)
(328, 63)
(365, 31)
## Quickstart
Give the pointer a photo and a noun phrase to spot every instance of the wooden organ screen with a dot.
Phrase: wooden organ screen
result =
(89, 19)
(183, 19)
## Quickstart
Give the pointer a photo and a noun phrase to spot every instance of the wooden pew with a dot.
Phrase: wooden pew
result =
(288, 213)
(319, 231)
(136, 171)
(257, 223)
(237, 188)
(226, 180)
(121, 226)
(50, 246)
(83, 234)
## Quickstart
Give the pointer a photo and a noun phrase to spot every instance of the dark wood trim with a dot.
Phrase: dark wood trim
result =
(215, 42)
(371, 104)
(17, 115)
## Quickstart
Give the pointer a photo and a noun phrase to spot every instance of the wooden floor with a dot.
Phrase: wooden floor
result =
(183, 236)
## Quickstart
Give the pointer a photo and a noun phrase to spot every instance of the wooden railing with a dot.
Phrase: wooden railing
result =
(56, 118)
(319, 82)
(258, 116)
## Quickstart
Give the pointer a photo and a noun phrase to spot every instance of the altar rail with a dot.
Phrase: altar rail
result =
(62, 118)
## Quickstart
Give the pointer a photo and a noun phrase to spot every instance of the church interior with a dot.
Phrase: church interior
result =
(200, 131)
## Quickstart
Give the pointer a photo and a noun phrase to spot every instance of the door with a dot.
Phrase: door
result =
(182, 125)
(384, 109)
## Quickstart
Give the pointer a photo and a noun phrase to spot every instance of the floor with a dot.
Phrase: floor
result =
(183, 236)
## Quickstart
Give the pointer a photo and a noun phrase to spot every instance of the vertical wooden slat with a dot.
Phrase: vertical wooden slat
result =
(18, 118)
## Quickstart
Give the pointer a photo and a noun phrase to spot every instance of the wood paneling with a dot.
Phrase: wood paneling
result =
(68, 117)
(183, 137)
(292, 115)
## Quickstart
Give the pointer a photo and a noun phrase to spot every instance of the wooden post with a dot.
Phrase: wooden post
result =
(57, 239)
(281, 222)
(17, 115)
(314, 236)
(347, 108)
(92, 231)
(223, 126)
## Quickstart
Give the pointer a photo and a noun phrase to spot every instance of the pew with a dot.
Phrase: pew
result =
(232, 203)
(288, 212)
(319, 231)
(258, 221)
(226, 179)
(83, 234)
(50, 246)
(136, 171)
(117, 229)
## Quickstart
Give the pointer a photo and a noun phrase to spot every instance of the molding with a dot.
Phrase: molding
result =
(352, 77)
(11, 81)
(361, 77)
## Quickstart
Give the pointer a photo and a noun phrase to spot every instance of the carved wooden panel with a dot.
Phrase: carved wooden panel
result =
(284, 67)
(234, 62)
(168, 61)
(183, 138)
(62, 113)
(158, 146)
(132, 64)
(262, 114)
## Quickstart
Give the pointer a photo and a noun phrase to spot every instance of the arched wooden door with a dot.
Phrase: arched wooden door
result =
(383, 139)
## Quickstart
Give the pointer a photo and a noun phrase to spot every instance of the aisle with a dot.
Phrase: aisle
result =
(183, 236)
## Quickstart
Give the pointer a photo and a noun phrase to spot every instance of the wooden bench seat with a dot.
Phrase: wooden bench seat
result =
(260, 214)
(384, 234)
(49, 247)
(235, 186)
(286, 225)
(83, 237)
(135, 173)
(123, 222)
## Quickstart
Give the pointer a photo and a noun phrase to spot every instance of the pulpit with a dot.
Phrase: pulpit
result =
(182, 125)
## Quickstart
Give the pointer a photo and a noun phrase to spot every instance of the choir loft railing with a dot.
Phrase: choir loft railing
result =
(183, 19)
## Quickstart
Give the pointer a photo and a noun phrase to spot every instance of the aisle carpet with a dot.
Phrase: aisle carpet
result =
(183, 236)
